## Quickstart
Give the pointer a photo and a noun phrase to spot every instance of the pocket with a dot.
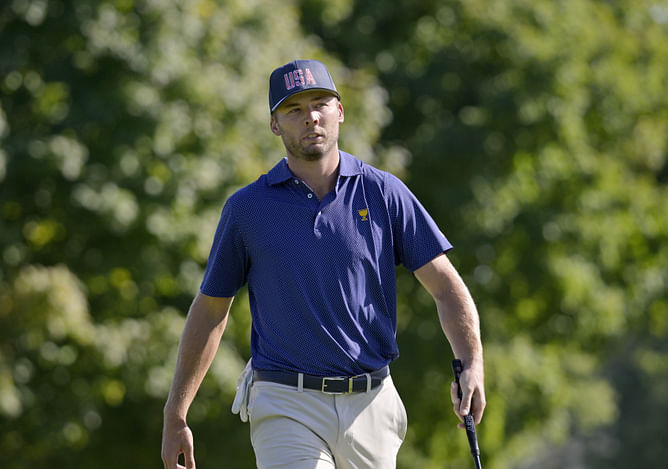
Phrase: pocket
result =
(401, 416)
(261, 399)
(252, 397)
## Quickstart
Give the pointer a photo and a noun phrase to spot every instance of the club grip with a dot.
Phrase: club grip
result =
(471, 435)
(457, 368)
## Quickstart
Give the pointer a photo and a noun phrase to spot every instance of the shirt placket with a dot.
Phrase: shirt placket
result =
(317, 205)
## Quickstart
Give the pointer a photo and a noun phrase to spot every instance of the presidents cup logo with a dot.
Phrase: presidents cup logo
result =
(363, 213)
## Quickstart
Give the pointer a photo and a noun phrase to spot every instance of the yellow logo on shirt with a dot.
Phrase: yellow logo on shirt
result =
(363, 213)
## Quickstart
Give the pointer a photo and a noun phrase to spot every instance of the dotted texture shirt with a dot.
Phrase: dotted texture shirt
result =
(321, 273)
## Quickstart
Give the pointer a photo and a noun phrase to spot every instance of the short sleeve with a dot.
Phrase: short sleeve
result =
(416, 237)
(227, 267)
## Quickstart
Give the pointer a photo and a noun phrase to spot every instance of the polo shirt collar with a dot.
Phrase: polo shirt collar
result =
(279, 173)
(348, 166)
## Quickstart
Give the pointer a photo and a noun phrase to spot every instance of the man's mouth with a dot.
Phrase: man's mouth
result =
(312, 136)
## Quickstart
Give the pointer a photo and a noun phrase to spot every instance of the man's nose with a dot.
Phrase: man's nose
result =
(312, 117)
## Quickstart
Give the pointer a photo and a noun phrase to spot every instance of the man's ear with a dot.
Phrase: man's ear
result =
(275, 129)
(340, 112)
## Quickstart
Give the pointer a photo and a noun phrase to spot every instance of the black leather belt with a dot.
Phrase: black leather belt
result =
(328, 385)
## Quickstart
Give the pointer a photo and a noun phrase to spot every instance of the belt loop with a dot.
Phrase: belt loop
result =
(368, 382)
(300, 382)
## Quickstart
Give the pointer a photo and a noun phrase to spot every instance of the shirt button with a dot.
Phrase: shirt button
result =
(296, 181)
(310, 195)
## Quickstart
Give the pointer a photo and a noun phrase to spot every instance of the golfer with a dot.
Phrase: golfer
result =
(317, 240)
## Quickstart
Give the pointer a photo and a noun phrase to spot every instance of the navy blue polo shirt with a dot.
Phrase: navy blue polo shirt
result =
(321, 273)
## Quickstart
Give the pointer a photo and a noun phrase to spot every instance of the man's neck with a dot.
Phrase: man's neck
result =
(320, 175)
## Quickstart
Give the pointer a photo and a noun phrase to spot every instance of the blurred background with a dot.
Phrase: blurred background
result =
(535, 132)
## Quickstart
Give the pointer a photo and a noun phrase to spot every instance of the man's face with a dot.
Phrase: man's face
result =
(308, 124)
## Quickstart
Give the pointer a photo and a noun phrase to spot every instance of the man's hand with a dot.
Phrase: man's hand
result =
(472, 385)
(177, 439)
(205, 324)
(460, 322)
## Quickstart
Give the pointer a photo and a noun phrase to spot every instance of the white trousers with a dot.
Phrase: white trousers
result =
(313, 430)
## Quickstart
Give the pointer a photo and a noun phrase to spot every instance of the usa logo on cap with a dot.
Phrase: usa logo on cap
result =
(297, 76)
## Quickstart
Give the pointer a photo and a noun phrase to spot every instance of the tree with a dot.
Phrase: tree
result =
(538, 138)
(124, 125)
(535, 132)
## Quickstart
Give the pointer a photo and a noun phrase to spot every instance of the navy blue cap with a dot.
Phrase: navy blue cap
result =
(297, 76)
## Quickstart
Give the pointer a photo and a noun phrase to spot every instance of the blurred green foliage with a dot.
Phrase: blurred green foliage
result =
(536, 132)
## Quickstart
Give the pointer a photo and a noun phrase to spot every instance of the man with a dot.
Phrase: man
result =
(317, 240)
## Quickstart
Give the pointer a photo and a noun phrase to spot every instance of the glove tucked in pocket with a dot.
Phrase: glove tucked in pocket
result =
(240, 404)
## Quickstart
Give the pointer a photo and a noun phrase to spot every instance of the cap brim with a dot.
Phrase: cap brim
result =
(282, 100)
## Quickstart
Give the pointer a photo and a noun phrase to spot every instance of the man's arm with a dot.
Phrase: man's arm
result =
(201, 336)
(461, 325)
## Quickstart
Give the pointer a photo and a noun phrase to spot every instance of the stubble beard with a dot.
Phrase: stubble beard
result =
(314, 152)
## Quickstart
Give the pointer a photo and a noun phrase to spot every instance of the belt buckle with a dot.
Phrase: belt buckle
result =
(337, 378)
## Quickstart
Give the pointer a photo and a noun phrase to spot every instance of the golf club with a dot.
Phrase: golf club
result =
(457, 368)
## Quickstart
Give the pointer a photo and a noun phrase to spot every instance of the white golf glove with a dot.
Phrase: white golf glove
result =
(240, 404)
